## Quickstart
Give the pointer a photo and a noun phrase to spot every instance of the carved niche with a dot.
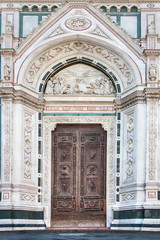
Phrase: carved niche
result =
(80, 79)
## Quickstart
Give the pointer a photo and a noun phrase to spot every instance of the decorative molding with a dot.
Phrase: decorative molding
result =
(28, 142)
(19, 96)
(79, 108)
(130, 161)
(152, 194)
(127, 197)
(78, 23)
(152, 140)
(7, 149)
(133, 99)
(97, 31)
(27, 197)
(5, 196)
(56, 32)
(152, 52)
(78, 48)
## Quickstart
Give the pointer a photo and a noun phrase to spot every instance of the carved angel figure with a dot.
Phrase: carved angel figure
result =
(151, 28)
(152, 72)
(7, 71)
(9, 27)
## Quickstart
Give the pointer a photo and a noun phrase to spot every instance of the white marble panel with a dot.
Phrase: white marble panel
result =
(129, 23)
(29, 22)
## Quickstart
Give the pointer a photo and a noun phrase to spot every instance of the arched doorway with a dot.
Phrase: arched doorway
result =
(79, 144)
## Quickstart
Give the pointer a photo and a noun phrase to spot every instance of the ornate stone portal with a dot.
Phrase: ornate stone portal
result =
(50, 125)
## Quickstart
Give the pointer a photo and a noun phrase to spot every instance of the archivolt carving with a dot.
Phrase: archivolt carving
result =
(50, 124)
(80, 79)
(67, 49)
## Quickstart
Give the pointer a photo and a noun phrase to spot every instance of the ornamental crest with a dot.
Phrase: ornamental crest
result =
(78, 23)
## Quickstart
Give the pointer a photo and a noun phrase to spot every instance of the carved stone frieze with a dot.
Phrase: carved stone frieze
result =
(62, 50)
(80, 79)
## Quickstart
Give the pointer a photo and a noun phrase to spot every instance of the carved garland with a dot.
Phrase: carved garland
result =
(27, 145)
(7, 145)
(50, 125)
(152, 141)
(78, 47)
(129, 143)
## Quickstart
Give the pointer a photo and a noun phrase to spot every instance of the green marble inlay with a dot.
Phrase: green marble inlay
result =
(21, 214)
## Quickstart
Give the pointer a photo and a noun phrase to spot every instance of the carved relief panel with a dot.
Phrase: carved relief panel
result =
(80, 79)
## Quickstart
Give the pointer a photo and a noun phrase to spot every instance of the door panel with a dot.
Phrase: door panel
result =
(78, 176)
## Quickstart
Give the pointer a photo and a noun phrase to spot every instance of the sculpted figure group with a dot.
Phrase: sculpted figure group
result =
(96, 86)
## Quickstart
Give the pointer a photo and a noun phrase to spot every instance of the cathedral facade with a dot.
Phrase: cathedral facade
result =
(80, 114)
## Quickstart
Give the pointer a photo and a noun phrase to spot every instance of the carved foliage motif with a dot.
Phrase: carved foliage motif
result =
(152, 141)
(27, 145)
(80, 79)
(129, 144)
(56, 32)
(7, 143)
(78, 47)
(78, 23)
(99, 32)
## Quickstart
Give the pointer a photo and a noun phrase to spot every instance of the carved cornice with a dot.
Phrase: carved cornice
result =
(152, 52)
(19, 96)
(7, 51)
(130, 100)
(81, 1)
(137, 97)
(152, 93)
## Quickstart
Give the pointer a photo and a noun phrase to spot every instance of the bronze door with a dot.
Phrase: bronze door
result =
(78, 176)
